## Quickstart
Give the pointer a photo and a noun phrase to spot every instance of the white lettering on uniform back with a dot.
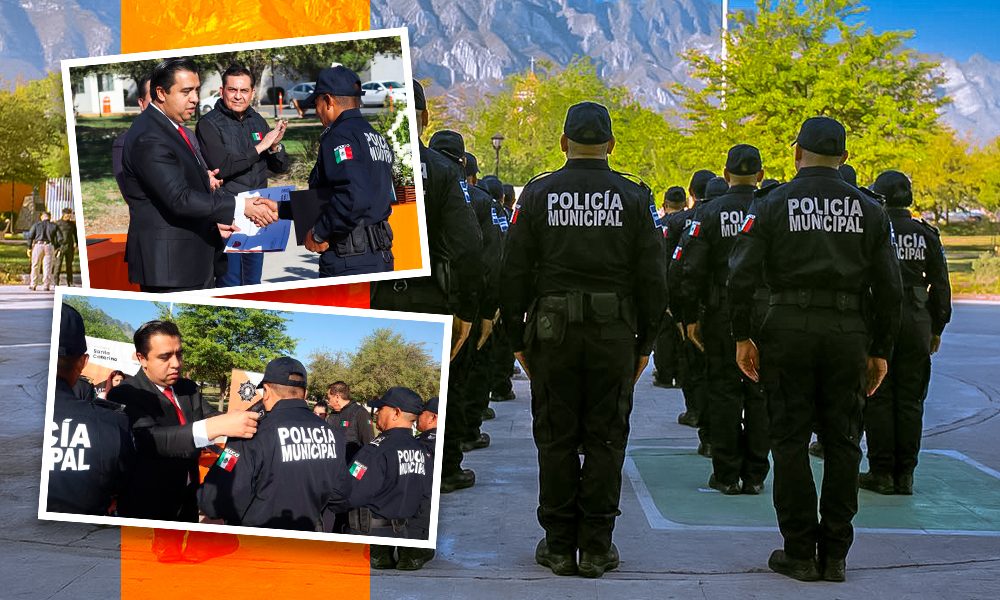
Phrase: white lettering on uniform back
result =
(585, 209)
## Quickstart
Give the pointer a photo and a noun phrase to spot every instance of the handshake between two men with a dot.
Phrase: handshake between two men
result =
(261, 211)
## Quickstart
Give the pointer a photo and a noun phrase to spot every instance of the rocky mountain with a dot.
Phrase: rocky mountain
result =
(635, 43)
(36, 34)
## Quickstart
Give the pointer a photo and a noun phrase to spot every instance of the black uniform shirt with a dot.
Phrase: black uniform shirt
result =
(489, 226)
(586, 228)
(454, 244)
(354, 422)
(817, 232)
(67, 233)
(922, 264)
(89, 454)
(44, 232)
(355, 162)
(389, 475)
(704, 259)
(674, 225)
(283, 476)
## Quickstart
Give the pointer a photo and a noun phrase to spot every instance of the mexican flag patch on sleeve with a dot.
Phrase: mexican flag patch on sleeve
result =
(342, 153)
(257, 136)
(357, 470)
(227, 460)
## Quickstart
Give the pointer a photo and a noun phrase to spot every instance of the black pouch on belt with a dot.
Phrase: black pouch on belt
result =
(551, 320)
(353, 244)
(605, 307)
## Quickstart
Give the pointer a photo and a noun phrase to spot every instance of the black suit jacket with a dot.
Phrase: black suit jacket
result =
(173, 240)
(167, 456)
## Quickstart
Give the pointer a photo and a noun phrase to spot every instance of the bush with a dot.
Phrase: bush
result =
(986, 270)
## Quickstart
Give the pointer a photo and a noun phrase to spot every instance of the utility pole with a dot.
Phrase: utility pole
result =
(725, 50)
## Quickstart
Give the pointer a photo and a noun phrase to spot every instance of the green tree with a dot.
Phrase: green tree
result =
(385, 359)
(327, 367)
(96, 322)
(308, 60)
(218, 339)
(31, 131)
(793, 59)
(945, 175)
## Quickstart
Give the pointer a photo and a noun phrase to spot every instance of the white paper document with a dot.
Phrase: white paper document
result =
(251, 238)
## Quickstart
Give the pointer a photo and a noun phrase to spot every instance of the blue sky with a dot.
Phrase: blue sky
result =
(956, 29)
(314, 331)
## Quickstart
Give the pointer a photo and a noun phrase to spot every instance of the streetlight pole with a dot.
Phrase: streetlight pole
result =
(725, 51)
(497, 140)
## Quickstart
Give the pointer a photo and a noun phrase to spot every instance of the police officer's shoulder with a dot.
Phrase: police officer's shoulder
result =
(931, 228)
(538, 177)
(378, 440)
(635, 180)
(108, 405)
(764, 191)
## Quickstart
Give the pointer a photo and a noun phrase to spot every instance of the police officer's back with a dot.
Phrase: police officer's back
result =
(354, 166)
(389, 476)
(285, 475)
(823, 244)
(585, 261)
(89, 451)
(893, 415)
(412, 559)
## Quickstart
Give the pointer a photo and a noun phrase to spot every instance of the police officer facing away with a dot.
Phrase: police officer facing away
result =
(894, 414)
(390, 475)
(284, 476)
(67, 244)
(667, 354)
(43, 237)
(585, 263)
(89, 451)
(822, 245)
(735, 404)
(355, 166)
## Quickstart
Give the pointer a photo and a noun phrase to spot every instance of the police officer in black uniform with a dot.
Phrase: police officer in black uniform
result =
(284, 476)
(502, 368)
(735, 403)
(585, 263)
(412, 559)
(455, 285)
(354, 167)
(822, 245)
(692, 358)
(389, 476)
(89, 451)
(67, 245)
(669, 344)
(894, 414)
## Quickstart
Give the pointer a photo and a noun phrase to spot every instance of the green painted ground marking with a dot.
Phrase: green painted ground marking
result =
(952, 494)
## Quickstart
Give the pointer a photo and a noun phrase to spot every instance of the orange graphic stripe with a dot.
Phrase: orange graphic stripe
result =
(200, 565)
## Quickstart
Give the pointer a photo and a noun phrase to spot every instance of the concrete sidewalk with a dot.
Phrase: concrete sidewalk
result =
(676, 540)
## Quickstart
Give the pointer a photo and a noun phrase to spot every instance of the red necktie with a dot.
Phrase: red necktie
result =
(184, 135)
(169, 393)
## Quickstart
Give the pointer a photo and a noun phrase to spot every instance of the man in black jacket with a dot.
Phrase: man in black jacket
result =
(173, 216)
(42, 239)
(237, 141)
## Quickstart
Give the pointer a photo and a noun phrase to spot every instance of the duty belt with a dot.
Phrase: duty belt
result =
(816, 299)
(587, 306)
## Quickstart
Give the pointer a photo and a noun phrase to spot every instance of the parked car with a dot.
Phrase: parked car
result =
(299, 92)
(375, 93)
(208, 102)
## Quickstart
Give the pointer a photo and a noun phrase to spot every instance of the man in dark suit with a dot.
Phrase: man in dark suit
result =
(171, 422)
(174, 240)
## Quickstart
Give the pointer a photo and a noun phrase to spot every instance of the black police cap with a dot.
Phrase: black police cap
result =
(72, 335)
(336, 81)
(895, 187)
(716, 187)
(675, 195)
(432, 405)
(493, 185)
(471, 164)
(698, 182)
(449, 143)
(402, 398)
(743, 159)
(279, 369)
(419, 99)
(822, 135)
(849, 174)
(588, 123)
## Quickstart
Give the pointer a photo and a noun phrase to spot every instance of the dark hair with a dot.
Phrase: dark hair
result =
(151, 328)
(111, 376)
(339, 388)
(164, 74)
(322, 403)
(236, 71)
(508, 195)
(675, 196)
(142, 87)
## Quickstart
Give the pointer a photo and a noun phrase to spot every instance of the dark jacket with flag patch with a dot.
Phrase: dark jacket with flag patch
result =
(228, 143)
(281, 478)
(354, 422)
(389, 475)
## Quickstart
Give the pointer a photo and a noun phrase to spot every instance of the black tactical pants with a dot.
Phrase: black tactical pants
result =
(456, 417)
(812, 368)
(693, 372)
(894, 414)
(502, 365)
(736, 404)
(64, 258)
(667, 355)
(581, 396)
(474, 369)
